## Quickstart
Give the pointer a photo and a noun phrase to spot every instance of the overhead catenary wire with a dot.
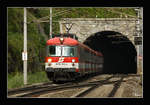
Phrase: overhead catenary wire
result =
(45, 19)
(121, 13)
(62, 12)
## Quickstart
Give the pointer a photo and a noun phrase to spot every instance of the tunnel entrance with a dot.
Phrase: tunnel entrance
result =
(119, 52)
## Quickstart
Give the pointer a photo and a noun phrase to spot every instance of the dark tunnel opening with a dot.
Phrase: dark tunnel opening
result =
(119, 52)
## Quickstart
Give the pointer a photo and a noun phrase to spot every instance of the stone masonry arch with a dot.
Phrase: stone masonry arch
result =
(84, 27)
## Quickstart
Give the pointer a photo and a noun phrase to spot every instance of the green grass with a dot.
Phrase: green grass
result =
(16, 80)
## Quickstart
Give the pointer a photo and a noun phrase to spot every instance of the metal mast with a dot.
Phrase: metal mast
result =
(50, 31)
(139, 31)
(24, 54)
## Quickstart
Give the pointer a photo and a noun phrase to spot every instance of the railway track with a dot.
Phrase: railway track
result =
(84, 93)
(115, 84)
(33, 89)
(27, 88)
(37, 91)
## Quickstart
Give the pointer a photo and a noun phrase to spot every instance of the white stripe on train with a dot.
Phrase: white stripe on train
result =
(73, 65)
(62, 65)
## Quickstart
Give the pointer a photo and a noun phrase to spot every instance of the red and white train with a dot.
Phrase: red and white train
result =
(67, 58)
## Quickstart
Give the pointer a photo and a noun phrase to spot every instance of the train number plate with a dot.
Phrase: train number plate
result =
(61, 64)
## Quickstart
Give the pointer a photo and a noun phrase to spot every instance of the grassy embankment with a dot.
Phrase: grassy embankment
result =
(16, 80)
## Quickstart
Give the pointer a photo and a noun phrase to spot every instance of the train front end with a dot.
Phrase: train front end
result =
(61, 62)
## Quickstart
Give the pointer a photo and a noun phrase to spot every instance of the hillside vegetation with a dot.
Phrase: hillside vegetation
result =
(39, 32)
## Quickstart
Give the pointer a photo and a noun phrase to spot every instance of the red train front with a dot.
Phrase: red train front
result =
(66, 59)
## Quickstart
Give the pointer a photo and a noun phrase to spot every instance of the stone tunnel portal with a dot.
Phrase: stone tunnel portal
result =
(119, 52)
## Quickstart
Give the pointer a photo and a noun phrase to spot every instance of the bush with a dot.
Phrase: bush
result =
(15, 47)
(36, 52)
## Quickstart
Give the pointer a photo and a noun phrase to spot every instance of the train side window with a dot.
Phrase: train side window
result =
(78, 51)
(81, 53)
(86, 53)
(52, 50)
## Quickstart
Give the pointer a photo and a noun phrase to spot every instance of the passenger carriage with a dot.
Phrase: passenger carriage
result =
(67, 58)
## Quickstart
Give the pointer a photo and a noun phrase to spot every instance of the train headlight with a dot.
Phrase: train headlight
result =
(49, 60)
(61, 40)
(73, 60)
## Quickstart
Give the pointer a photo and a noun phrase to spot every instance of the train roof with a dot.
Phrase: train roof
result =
(66, 41)
(71, 35)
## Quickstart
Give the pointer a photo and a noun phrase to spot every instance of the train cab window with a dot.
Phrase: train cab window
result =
(54, 51)
(62, 51)
(69, 51)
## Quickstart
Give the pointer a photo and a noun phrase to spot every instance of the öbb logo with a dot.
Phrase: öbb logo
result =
(61, 59)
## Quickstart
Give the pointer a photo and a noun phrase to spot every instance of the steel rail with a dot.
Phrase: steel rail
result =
(37, 93)
(28, 88)
(48, 87)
